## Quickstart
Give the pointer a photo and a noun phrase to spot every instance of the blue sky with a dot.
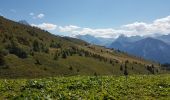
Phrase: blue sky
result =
(87, 15)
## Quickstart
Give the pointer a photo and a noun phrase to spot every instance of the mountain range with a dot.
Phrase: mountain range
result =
(156, 49)
(164, 38)
(95, 40)
(151, 48)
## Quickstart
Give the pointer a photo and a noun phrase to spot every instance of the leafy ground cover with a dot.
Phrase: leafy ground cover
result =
(87, 87)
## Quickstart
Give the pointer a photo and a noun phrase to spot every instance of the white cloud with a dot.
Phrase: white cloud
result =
(69, 28)
(161, 26)
(158, 26)
(108, 32)
(40, 16)
(137, 26)
(75, 30)
(46, 26)
(31, 14)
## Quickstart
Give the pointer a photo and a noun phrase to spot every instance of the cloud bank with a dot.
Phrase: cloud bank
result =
(161, 26)
(158, 26)
(46, 26)
(70, 28)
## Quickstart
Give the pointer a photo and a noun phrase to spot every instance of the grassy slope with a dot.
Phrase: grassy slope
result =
(80, 66)
(143, 87)
(26, 35)
(120, 56)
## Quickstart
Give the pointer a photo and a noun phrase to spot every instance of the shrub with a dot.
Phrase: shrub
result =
(127, 61)
(37, 62)
(55, 45)
(70, 68)
(4, 52)
(46, 49)
(95, 74)
(6, 67)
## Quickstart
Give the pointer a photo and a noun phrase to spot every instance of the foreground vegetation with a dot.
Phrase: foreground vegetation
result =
(87, 87)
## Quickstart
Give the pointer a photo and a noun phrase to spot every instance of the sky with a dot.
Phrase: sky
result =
(100, 18)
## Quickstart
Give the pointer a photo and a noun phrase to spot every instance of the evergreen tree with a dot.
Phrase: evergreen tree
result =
(64, 55)
(111, 61)
(151, 69)
(132, 68)
(56, 56)
(121, 68)
(78, 70)
(2, 59)
(126, 71)
(36, 46)
(55, 45)
(16, 49)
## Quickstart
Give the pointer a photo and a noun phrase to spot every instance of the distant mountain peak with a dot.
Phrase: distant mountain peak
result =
(165, 38)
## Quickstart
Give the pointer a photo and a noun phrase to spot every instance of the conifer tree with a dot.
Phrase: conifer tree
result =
(2, 59)
(126, 71)
(64, 55)
(121, 68)
(56, 56)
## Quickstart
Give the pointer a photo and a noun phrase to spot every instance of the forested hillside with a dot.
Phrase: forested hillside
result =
(27, 51)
